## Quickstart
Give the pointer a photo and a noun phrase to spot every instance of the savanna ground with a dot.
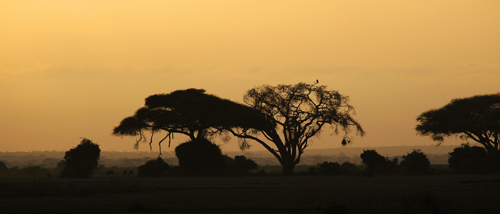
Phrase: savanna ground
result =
(253, 194)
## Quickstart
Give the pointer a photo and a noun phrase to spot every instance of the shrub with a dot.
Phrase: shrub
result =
(34, 171)
(469, 159)
(200, 157)
(416, 162)
(80, 162)
(347, 168)
(153, 168)
(3, 166)
(374, 162)
(241, 164)
(328, 168)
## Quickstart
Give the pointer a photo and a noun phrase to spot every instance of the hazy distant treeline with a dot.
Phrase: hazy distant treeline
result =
(49, 159)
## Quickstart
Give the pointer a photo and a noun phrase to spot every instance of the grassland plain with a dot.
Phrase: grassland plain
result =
(265, 194)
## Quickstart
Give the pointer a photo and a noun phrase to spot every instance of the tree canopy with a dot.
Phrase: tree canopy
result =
(191, 112)
(80, 162)
(298, 113)
(476, 118)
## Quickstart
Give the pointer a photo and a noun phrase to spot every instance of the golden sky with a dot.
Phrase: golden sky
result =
(71, 69)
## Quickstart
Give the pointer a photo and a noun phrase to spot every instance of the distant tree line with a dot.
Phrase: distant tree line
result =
(465, 159)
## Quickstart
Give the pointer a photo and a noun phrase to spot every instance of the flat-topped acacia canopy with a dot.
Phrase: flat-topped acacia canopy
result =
(191, 112)
(476, 118)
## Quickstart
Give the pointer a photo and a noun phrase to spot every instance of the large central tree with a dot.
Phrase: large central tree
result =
(190, 112)
(298, 113)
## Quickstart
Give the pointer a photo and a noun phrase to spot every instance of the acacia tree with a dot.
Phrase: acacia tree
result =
(297, 113)
(476, 118)
(190, 112)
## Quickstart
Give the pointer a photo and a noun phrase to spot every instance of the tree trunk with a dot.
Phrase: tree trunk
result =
(288, 167)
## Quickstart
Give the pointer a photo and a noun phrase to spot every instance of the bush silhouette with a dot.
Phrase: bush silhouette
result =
(80, 162)
(241, 164)
(153, 168)
(328, 168)
(374, 162)
(347, 168)
(200, 157)
(470, 159)
(3, 166)
(416, 162)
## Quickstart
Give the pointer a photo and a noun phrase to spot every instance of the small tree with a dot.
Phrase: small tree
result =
(416, 162)
(153, 168)
(80, 162)
(200, 157)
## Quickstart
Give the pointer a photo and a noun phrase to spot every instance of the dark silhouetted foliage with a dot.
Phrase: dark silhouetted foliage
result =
(190, 112)
(200, 157)
(3, 166)
(80, 162)
(33, 171)
(471, 160)
(476, 118)
(416, 162)
(328, 168)
(374, 162)
(241, 165)
(347, 168)
(153, 168)
(298, 112)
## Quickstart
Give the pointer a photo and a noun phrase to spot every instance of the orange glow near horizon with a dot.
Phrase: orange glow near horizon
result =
(71, 69)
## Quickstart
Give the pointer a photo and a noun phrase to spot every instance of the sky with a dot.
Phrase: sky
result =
(72, 69)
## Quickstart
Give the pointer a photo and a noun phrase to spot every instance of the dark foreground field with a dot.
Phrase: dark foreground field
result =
(268, 194)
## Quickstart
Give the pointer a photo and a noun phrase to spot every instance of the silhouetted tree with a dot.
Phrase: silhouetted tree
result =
(191, 112)
(153, 168)
(241, 164)
(469, 159)
(80, 162)
(298, 113)
(476, 118)
(374, 161)
(416, 162)
(200, 157)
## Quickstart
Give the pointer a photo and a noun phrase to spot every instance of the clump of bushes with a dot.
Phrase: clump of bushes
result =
(334, 168)
(472, 160)
(153, 168)
(416, 163)
(374, 162)
(200, 157)
(240, 165)
(328, 168)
